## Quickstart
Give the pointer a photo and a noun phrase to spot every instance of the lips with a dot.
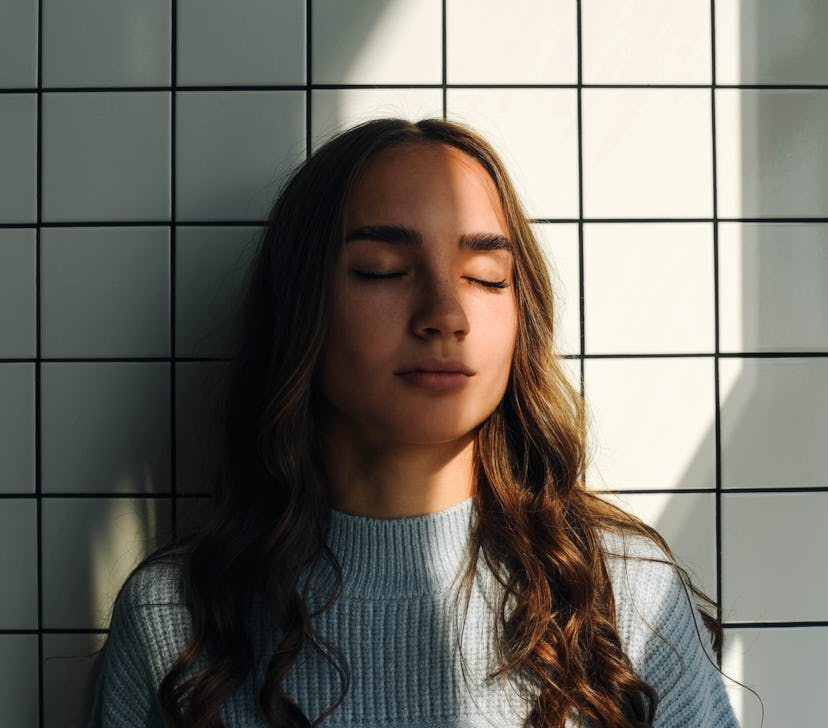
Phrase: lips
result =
(437, 366)
(436, 375)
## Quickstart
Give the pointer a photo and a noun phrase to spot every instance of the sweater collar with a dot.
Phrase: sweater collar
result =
(391, 557)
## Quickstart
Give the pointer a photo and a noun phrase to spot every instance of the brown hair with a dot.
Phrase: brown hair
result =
(538, 527)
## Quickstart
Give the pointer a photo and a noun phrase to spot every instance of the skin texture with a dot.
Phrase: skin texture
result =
(401, 445)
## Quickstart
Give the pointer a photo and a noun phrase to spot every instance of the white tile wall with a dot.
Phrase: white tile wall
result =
(520, 42)
(773, 556)
(17, 292)
(80, 267)
(377, 42)
(134, 38)
(770, 153)
(211, 263)
(18, 125)
(785, 668)
(559, 242)
(233, 148)
(774, 422)
(18, 44)
(536, 133)
(646, 42)
(771, 43)
(648, 288)
(89, 172)
(647, 153)
(333, 110)
(759, 308)
(132, 185)
(653, 423)
(246, 32)
(105, 427)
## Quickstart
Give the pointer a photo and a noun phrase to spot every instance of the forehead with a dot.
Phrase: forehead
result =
(410, 181)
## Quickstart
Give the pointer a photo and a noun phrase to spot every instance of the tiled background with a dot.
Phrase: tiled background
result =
(672, 156)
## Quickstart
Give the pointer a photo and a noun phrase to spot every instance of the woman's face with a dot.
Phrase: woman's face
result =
(423, 315)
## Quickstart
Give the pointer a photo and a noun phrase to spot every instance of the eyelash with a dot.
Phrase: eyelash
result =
(489, 285)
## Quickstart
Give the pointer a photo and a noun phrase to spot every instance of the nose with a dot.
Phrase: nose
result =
(439, 312)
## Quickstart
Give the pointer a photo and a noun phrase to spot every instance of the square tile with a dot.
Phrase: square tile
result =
(17, 428)
(18, 132)
(647, 153)
(687, 521)
(105, 292)
(233, 150)
(334, 110)
(773, 549)
(774, 422)
(211, 265)
(18, 680)
(17, 292)
(69, 662)
(771, 158)
(18, 44)
(763, 660)
(536, 133)
(262, 42)
(653, 423)
(377, 42)
(648, 288)
(198, 390)
(90, 173)
(559, 243)
(90, 546)
(645, 42)
(112, 43)
(18, 563)
(759, 308)
(773, 43)
(540, 35)
(105, 427)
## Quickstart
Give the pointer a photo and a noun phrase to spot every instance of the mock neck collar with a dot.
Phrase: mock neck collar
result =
(391, 557)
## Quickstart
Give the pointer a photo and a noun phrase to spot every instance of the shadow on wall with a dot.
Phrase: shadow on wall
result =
(773, 299)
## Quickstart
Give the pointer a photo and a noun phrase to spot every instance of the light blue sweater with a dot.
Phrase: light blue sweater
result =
(396, 624)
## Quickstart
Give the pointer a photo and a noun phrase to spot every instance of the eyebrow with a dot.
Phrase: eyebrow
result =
(399, 235)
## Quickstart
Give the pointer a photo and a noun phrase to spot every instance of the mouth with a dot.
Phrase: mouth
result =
(437, 366)
(437, 375)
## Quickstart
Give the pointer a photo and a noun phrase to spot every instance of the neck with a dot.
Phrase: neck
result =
(394, 481)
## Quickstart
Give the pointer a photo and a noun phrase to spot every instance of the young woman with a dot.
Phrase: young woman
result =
(402, 535)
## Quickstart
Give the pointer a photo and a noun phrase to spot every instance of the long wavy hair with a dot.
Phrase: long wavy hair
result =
(537, 527)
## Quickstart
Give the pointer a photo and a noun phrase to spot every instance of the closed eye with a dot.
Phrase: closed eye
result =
(489, 284)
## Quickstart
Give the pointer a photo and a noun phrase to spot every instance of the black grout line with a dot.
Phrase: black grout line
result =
(347, 86)
(581, 296)
(308, 76)
(37, 372)
(653, 355)
(729, 491)
(162, 495)
(173, 201)
(444, 46)
(717, 414)
(534, 221)
(775, 625)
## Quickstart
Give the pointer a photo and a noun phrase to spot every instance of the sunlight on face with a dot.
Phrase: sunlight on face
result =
(423, 318)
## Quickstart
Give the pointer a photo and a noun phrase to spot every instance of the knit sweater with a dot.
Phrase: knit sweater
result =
(396, 623)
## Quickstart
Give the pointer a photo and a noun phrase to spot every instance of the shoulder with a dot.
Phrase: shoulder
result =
(150, 627)
(156, 584)
(662, 633)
